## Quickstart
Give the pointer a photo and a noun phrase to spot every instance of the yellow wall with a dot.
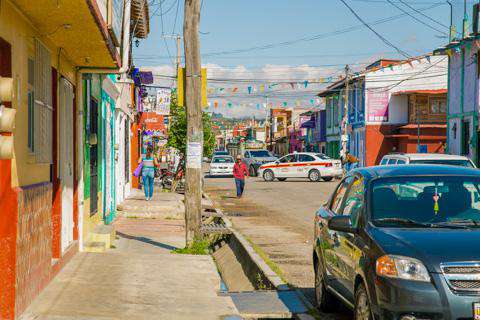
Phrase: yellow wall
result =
(20, 33)
(89, 222)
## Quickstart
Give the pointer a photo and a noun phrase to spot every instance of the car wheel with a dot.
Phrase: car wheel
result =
(314, 175)
(327, 179)
(362, 310)
(268, 175)
(253, 172)
(326, 302)
(282, 179)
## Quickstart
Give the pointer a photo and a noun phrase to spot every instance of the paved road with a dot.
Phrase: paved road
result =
(278, 217)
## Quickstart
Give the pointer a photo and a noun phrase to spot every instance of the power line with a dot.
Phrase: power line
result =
(176, 17)
(415, 18)
(317, 36)
(424, 15)
(400, 51)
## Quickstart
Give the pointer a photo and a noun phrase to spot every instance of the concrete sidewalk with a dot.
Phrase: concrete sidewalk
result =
(137, 279)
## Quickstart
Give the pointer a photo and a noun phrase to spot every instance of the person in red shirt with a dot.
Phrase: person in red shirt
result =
(240, 171)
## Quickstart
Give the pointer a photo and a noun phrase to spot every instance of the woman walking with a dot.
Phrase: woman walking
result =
(149, 162)
(240, 171)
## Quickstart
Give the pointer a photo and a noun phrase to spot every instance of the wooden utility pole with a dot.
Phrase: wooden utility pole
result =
(193, 101)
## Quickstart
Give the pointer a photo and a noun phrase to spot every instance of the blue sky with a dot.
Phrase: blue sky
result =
(228, 25)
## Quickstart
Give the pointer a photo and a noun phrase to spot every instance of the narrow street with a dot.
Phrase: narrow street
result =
(278, 218)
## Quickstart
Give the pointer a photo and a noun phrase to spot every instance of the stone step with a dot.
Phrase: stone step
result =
(105, 234)
(94, 246)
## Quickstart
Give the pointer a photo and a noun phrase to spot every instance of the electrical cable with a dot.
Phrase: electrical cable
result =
(424, 15)
(384, 40)
(415, 18)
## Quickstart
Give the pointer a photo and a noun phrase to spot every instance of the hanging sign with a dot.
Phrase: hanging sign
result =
(377, 105)
(162, 106)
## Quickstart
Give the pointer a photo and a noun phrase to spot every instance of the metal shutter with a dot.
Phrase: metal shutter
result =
(43, 104)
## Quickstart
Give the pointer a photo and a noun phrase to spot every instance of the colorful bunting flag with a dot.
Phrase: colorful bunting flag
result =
(305, 83)
(249, 88)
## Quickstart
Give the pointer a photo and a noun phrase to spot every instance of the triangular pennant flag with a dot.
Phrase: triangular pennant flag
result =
(285, 103)
(235, 89)
(292, 84)
(215, 104)
(312, 101)
(258, 106)
(305, 83)
(249, 88)
(230, 104)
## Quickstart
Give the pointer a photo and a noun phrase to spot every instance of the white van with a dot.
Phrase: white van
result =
(426, 158)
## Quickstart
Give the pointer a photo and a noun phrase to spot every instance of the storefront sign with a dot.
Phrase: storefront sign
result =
(377, 105)
(153, 121)
(163, 101)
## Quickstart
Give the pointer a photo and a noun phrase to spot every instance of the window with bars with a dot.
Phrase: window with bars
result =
(31, 105)
(427, 109)
(336, 110)
(329, 111)
(42, 104)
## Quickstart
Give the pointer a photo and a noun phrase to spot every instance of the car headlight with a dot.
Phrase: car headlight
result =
(402, 268)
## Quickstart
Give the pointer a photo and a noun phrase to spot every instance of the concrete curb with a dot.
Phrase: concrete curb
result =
(271, 275)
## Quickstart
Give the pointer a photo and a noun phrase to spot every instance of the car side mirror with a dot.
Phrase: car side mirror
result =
(342, 224)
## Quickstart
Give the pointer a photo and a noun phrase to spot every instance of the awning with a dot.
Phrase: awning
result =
(438, 91)
(308, 124)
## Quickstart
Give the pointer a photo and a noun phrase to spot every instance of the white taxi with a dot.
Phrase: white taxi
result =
(222, 166)
(314, 166)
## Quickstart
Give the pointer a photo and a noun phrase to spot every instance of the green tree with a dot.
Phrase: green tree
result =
(177, 134)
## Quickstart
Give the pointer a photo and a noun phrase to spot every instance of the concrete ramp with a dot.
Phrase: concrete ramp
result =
(268, 304)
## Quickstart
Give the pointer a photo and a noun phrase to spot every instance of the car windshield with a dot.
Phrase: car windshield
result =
(440, 201)
(461, 163)
(221, 153)
(222, 160)
(260, 153)
(323, 156)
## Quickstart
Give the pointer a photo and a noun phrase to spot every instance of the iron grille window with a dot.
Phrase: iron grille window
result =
(31, 106)
(42, 104)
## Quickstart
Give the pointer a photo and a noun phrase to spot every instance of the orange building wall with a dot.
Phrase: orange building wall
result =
(9, 213)
(377, 145)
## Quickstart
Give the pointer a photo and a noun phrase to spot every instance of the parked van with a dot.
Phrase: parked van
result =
(426, 158)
